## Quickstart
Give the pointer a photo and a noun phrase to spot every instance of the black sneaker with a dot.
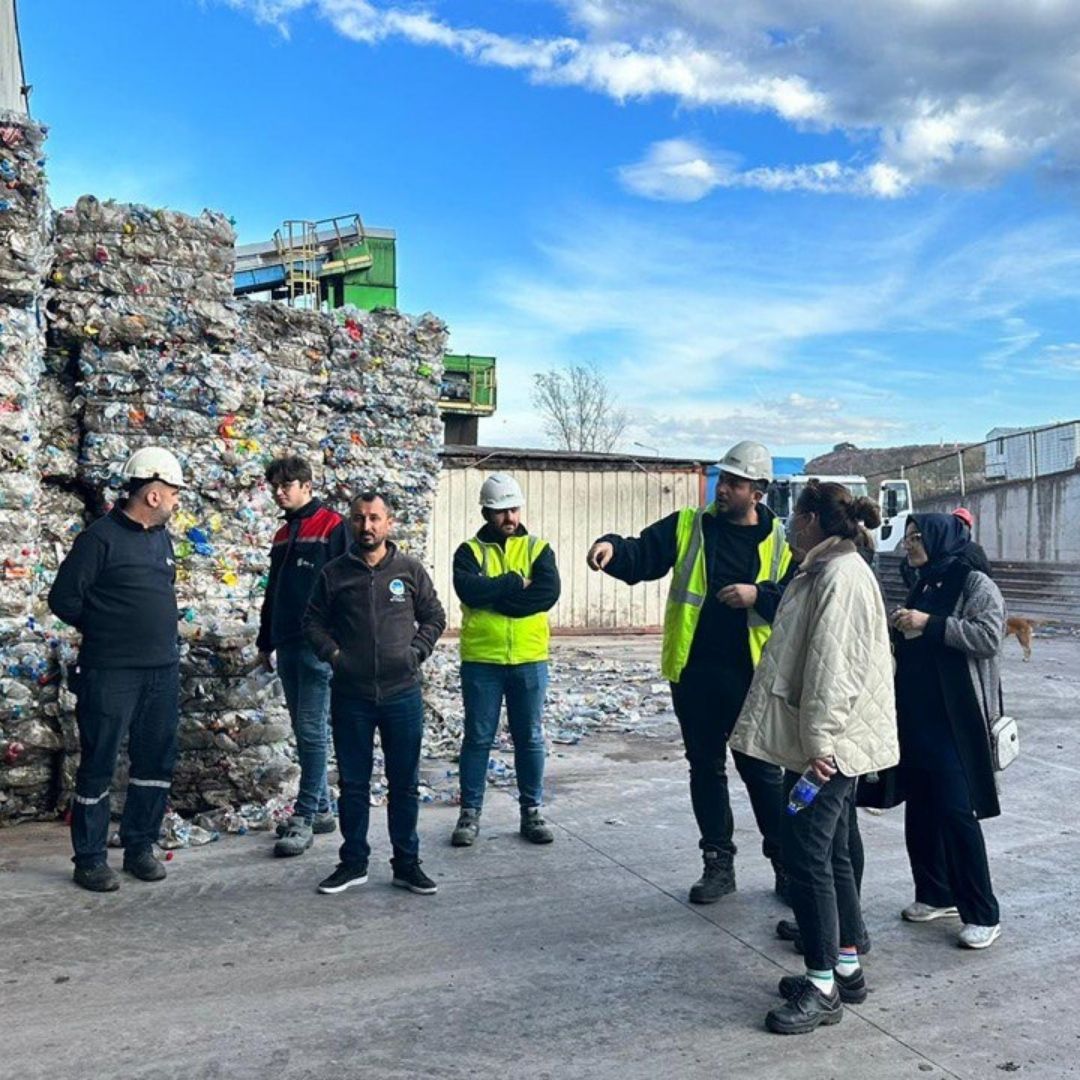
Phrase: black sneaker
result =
(718, 879)
(144, 866)
(808, 1009)
(344, 877)
(410, 876)
(97, 878)
(852, 988)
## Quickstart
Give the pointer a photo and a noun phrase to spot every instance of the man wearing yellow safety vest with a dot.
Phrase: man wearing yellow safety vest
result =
(506, 581)
(729, 561)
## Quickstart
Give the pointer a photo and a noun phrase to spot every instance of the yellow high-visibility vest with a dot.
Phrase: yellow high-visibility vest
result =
(491, 638)
(689, 584)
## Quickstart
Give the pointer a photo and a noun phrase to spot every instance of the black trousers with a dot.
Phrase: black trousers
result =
(945, 845)
(821, 879)
(144, 704)
(707, 704)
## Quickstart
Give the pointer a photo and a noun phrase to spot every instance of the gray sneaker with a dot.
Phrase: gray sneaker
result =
(467, 828)
(324, 823)
(920, 912)
(979, 937)
(297, 839)
(533, 826)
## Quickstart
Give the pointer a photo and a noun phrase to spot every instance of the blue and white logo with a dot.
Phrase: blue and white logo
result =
(397, 589)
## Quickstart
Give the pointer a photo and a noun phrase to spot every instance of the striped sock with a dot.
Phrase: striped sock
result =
(823, 980)
(849, 960)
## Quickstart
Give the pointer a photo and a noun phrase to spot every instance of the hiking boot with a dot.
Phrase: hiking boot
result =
(410, 876)
(144, 866)
(788, 930)
(920, 912)
(533, 826)
(467, 828)
(97, 878)
(344, 877)
(808, 1009)
(717, 880)
(978, 937)
(324, 823)
(851, 988)
(297, 839)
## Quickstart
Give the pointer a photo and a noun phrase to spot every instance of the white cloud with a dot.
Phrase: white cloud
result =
(958, 92)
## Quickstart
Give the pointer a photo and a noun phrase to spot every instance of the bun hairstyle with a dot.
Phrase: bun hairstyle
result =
(839, 512)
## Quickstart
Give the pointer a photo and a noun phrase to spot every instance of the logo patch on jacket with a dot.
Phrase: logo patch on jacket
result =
(397, 591)
(305, 562)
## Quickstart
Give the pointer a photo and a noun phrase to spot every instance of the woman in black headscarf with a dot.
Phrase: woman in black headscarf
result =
(947, 638)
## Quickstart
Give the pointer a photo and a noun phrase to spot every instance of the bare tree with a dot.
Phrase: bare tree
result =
(578, 409)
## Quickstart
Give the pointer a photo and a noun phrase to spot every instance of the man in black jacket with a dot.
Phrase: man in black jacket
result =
(311, 535)
(117, 586)
(729, 560)
(375, 617)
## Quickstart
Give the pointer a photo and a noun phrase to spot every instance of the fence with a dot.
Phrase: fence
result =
(1010, 455)
(1044, 592)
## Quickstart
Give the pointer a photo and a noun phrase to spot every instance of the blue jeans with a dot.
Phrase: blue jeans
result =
(306, 681)
(483, 688)
(400, 723)
(144, 704)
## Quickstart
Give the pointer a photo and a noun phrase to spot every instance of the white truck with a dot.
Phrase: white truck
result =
(893, 497)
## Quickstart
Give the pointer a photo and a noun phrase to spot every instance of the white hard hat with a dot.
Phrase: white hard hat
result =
(501, 492)
(154, 463)
(748, 460)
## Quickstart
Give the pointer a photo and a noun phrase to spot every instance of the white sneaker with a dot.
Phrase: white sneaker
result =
(920, 912)
(979, 937)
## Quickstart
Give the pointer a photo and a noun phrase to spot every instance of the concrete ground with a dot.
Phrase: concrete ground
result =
(577, 960)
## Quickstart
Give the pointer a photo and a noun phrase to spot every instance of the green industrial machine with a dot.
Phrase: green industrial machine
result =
(339, 262)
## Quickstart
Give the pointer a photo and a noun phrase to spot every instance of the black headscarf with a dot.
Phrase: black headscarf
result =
(944, 539)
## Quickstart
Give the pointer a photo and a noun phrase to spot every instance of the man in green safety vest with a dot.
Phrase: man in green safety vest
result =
(729, 561)
(507, 582)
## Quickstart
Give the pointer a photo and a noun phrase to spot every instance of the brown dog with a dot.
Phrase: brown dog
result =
(1024, 629)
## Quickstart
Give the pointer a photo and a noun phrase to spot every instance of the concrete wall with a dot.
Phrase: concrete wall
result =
(569, 507)
(11, 71)
(1025, 521)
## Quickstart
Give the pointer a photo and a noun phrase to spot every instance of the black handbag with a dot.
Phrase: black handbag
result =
(881, 790)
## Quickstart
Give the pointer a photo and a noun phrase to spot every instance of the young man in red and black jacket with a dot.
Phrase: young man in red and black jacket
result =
(311, 535)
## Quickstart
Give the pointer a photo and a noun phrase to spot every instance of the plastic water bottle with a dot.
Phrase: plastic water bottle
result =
(803, 792)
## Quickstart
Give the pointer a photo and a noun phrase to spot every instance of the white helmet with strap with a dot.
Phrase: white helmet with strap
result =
(154, 463)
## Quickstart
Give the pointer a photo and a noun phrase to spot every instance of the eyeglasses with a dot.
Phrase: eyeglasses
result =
(913, 538)
(284, 485)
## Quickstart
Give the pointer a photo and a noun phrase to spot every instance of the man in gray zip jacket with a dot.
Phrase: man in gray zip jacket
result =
(375, 617)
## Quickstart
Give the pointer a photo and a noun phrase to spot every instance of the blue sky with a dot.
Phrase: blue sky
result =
(763, 218)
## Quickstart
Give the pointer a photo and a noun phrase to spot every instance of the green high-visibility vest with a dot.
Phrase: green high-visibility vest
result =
(491, 638)
(689, 584)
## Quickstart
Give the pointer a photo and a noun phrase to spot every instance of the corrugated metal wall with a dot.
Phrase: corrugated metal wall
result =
(570, 509)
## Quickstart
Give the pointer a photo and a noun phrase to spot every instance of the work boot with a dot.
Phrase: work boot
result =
(324, 823)
(533, 826)
(467, 828)
(805, 1011)
(851, 988)
(97, 878)
(717, 880)
(297, 839)
(143, 865)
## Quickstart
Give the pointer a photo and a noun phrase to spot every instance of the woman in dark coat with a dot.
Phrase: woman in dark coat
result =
(947, 637)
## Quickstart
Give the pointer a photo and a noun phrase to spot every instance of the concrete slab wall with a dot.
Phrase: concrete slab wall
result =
(1024, 521)
(11, 69)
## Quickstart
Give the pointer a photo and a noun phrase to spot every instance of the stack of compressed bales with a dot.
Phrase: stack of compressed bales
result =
(141, 301)
(28, 741)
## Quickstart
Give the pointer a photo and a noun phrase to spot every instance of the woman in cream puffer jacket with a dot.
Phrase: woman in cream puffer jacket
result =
(822, 699)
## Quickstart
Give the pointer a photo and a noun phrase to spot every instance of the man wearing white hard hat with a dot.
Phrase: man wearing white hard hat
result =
(507, 581)
(728, 561)
(117, 586)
